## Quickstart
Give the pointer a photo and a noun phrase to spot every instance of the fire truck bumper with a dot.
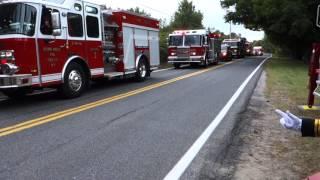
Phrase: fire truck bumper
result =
(192, 59)
(235, 54)
(15, 81)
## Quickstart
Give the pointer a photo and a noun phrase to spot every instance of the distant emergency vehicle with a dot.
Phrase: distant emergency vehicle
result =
(193, 47)
(237, 47)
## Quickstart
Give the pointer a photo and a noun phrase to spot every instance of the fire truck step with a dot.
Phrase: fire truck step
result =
(113, 75)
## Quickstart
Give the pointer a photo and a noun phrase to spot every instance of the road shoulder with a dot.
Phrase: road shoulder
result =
(262, 149)
(258, 143)
(210, 158)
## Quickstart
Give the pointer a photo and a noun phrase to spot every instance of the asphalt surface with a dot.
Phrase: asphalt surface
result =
(138, 137)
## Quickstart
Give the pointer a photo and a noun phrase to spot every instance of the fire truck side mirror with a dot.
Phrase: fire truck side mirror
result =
(56, 23)
(318, 17)
(205, 40)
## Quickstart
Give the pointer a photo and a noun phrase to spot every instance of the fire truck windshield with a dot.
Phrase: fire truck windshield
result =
(192, 40)
(17, 18)
(232, 43)
(176, 40)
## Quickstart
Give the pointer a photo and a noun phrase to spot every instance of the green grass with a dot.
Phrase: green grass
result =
(287, 82)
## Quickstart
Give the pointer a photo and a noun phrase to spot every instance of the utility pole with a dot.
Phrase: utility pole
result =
(230, 30)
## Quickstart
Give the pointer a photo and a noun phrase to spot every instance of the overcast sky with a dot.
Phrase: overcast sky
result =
(211, 9)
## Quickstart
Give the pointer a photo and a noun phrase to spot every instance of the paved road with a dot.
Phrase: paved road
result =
(139, 136)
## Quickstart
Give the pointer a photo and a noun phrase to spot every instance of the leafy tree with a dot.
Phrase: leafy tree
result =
(268, 46)
(289, 24)
(186, 17)
(137, 10)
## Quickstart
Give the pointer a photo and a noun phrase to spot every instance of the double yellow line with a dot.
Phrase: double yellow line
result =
(59, 115)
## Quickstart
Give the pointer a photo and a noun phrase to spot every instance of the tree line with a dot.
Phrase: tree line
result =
(188, 17)
(289, 25)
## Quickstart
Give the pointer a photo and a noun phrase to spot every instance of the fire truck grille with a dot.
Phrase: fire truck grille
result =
(7, 81)
(183, 52)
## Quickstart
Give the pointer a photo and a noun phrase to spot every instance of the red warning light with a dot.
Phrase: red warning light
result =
(4, 61)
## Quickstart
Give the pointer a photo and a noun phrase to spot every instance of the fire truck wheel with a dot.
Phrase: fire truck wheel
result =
(141, 71)
(216, 62)
(16, 93)
(176, 65)
(75, 81)
(205, 63)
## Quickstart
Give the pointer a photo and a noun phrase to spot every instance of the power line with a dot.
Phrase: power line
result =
(151, 8)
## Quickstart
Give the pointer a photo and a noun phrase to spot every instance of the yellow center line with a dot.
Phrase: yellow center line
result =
(59, 115)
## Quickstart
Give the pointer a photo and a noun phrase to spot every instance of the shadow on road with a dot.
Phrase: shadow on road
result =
(52, 95)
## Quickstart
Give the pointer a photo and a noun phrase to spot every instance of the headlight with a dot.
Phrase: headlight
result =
(2, 54)
(173, 54)
(8, 54)
(224, 54)
(193, 53)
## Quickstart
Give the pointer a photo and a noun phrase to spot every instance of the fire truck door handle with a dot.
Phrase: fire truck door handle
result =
(63, 46)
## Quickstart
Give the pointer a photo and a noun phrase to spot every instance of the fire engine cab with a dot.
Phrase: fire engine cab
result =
(66, 43)
(237, 47)
(193, 47)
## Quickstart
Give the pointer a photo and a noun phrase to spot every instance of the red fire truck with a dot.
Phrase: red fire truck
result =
(249, 49)
(237, 46)
(193, 47)
(66, 43)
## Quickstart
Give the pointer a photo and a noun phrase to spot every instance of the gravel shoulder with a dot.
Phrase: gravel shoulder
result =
(262, 149)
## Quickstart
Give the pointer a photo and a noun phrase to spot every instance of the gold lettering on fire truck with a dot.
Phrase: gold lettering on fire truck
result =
(52, 55)
(76, 43)
(94, 50)
(49, 49)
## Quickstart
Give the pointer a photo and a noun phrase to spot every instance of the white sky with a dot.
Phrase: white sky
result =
(211, 9)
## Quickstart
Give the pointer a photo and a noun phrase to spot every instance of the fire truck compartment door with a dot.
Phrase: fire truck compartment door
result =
(212, 51)
(128, 48)
(154, 48)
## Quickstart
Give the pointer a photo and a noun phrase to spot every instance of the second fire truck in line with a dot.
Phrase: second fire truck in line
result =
(237, 46)
(193, 47)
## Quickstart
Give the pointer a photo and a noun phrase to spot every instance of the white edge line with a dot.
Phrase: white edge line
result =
(188, 157)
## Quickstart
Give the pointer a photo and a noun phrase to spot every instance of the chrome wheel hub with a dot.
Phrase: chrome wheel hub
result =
(75, 80)
(143, 70)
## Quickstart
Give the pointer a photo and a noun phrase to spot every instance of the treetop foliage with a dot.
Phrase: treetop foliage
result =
(137, 10)
(187, 17)
(289, 24)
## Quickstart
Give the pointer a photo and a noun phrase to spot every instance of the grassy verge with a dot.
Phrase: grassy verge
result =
(287, 81)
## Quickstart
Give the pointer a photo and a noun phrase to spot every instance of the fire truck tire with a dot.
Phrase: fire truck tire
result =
(177, 65)
(216, 62)
(17, 93)
(75, 81)
(205, 63)
(142, 71)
